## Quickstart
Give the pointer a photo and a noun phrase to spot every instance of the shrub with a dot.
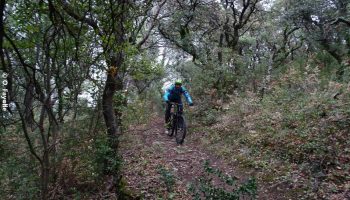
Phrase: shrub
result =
(167, 177)
(230, 189)
(107, 159)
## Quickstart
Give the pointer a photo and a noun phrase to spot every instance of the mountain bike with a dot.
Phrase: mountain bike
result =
(177, 123)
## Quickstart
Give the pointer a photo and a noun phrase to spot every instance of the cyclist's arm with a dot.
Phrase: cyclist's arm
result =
(187, 96)
(166, 94)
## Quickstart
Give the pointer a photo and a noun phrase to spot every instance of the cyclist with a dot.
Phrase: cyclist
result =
(173, 94)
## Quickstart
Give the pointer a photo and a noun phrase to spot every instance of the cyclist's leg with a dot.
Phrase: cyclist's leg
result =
(181, 107)
(167, 115)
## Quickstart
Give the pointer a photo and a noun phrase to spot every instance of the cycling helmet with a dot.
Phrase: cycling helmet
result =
(178, 82)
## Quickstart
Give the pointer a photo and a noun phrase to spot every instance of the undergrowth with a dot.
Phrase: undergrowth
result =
(297, 134)
(229, 187)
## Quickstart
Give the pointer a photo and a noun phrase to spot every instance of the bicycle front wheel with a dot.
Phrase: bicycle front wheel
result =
(181, 130)
(173, 126)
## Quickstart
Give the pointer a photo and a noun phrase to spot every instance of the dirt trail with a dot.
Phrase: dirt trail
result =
(148, 149)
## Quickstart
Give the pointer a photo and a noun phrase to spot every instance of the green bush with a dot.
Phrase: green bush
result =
(167, 177)
(206, 188)
(205, 115)
(107, 159)
(18, 179)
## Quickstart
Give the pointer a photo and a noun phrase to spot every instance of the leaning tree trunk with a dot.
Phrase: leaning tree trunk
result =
(113, 84)
(115, 60)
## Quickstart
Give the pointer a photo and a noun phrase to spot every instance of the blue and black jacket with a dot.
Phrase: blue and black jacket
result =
(173, 94)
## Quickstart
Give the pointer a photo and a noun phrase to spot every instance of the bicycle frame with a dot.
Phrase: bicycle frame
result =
(176, 114)
(175, 110)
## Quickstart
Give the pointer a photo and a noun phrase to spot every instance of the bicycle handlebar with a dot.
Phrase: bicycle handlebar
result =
(174, 103)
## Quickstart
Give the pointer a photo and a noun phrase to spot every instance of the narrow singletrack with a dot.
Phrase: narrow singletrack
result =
(147, 149)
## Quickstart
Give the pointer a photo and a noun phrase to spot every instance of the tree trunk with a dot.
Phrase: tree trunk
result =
(45, 173)
(221, 40)
(108, 109)
(28, 104)
(267, 78)
(114, 83)
(60, 90)
(44, 176)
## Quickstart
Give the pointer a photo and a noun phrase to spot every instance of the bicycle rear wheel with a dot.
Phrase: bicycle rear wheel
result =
(181, 130)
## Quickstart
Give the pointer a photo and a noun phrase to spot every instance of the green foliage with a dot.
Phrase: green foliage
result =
(301, 104)
(119, 100)
(137, 112)
(144, 69)
(107, 160)
(206, 116)
(167, 177)
(327, 63)
(231, 189)
(302, 119)
(300, 126)
(140, 106)
(18, 181)
(18, 174)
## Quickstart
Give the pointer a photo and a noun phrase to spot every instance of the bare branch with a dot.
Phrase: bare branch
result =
(341, 20)
(80, 18)
(26, 134)
(153, 24)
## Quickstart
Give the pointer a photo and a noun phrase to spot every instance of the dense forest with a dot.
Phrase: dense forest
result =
(82, 113)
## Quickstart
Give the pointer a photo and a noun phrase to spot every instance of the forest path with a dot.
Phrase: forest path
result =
(153, 161)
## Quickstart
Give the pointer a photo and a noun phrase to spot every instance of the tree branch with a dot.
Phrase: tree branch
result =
(340, 20)
(26, 135)
(66, 7)
(19, 54)
(168, 37)
(151, 27)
